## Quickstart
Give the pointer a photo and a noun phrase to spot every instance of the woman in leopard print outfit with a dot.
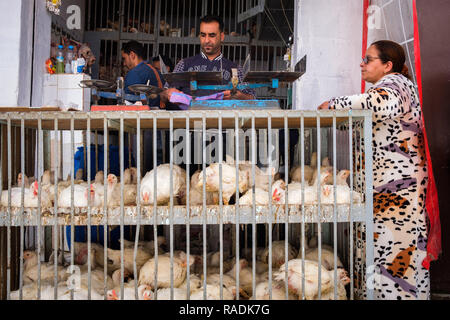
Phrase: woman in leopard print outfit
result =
(400, 172)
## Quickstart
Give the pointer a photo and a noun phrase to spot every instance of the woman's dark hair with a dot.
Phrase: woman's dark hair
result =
(211, 18)
(392, 51)
(134, 46)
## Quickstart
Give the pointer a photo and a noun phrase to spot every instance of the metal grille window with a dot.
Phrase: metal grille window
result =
(171, 28)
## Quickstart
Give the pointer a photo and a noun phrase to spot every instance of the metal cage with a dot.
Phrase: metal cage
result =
(346, 228)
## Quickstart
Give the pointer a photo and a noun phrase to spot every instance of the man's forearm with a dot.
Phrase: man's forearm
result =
(243, 96)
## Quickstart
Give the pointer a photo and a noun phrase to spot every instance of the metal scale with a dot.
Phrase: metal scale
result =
(211, 80)
(144, 93)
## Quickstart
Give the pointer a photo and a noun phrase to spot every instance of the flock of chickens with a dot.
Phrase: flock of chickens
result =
(147, 289)
(95, 192)
(145, 255)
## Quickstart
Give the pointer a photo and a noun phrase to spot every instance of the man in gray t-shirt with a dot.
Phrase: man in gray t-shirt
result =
(211, 59)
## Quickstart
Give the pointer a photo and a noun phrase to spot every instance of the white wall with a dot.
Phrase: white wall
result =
(10, 21)
(330, 33)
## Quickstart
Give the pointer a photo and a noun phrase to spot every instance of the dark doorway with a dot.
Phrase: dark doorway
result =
(435, 52)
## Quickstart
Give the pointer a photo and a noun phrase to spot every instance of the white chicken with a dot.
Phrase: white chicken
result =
(30, 197)
(144, 293)
(80, 196)
(228, 180)
(327, 256)
(126, 176)
(97, 281)
(259, 253)
(96, 275)
(323, 170)
(134, 175)
(163, 184)
(245, 276)
(147, 246)
(212, 267)
(260, 267)
(313, 243)
(81, 294)
(342, 281)
(295, 173)
(341, 178)
(82, 259)
(196, 193)
(29, 292)
(147, 272)
(261, 198)
(228, 282)
(48, 179)
(30, 269)
(113, 192)
(194, 283)
(343, 193)
(114, 258)
(81, 253)
(178, 294)
(212, 293)
(99, 177)
(261, 176)
(26, 180)
(295, 192)
(278, 254)
(278, 291)
(66, 183)
(212, 262)
(311, 276)
(116, 277)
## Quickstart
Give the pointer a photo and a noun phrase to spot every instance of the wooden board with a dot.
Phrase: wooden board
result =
(28, 109)
(180, 123)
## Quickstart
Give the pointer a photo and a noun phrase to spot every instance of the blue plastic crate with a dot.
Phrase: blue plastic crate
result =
(114, 159)
(81, 235)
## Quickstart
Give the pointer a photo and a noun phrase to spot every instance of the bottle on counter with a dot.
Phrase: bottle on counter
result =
(80, 64)
(69, 58)
(60, 60)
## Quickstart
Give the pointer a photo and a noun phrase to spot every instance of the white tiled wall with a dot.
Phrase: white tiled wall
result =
(330, 34)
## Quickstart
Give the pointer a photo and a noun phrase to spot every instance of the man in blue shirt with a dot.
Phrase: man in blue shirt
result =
(143, 73)
(211, 59)
(139, 71)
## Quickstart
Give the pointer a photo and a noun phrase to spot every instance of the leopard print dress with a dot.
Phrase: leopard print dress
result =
(399, 181)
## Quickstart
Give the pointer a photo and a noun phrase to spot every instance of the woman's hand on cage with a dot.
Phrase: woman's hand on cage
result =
(324, 105)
